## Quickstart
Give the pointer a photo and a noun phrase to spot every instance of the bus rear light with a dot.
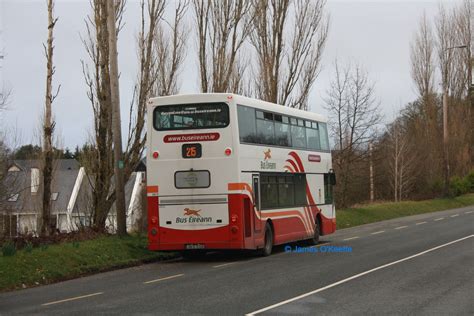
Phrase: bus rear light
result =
(228, 151)
(156, 154)
(154, 220)
(234, 229)
(234, 218)
(153, 231)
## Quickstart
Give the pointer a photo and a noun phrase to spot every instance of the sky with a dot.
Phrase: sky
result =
(376, 34)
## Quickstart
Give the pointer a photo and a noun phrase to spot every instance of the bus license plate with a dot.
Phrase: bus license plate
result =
(195, 246)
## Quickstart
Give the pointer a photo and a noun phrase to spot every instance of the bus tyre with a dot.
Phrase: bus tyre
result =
(268, 241)
(317, 227)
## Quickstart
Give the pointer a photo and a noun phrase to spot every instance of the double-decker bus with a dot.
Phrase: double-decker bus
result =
(230, 172)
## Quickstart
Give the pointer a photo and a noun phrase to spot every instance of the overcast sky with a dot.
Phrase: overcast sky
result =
(374, 33)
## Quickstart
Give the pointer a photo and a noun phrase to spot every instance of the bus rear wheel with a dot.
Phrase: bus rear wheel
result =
(317, 227)
(268, 241)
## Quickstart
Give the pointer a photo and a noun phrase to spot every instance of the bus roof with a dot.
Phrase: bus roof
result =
(259, 104)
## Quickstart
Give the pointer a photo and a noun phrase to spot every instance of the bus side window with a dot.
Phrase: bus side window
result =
(247, 128)
(328, 189)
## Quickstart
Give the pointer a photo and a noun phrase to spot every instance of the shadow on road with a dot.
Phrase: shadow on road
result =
(226, 256)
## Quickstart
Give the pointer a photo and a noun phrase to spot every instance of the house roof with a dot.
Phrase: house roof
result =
(65, 172)
(59, 164)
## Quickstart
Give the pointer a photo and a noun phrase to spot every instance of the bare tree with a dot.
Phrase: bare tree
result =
(100, 158)
(116, 122)
(422, 55)
(422, 58)
(222, 28)
(355, 113)
(452, 30)
(288, 56)
(48, 126)
(402, 160)
(461, 18)
(170, 49)
(147, 77)
(4, 97)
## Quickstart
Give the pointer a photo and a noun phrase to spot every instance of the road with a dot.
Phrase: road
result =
(422, 264)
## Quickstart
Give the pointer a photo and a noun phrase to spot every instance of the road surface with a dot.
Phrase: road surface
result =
(422, 264)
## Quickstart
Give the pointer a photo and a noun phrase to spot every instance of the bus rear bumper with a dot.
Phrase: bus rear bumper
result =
(206, 246)
(215, 238)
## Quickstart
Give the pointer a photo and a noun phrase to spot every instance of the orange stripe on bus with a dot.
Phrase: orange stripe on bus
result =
(152, 189)
(239, 186)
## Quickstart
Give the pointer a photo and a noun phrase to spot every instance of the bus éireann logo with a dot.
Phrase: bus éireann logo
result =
(191, 212)
(265, 163)
(268, 154)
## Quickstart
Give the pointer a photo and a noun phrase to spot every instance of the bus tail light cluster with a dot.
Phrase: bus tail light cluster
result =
(156, 154)
(228, 151)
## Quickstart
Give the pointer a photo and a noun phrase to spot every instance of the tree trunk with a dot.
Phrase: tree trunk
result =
(48, 129)
(117, 132)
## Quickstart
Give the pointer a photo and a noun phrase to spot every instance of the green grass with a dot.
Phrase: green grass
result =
(383, 211)
(70, 260)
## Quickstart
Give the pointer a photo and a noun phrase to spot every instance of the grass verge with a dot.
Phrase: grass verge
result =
(74, 259)
(382, 211)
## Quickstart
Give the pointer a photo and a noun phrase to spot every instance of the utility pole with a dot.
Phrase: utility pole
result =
(116, 128)
(445, 122)
(371, 169)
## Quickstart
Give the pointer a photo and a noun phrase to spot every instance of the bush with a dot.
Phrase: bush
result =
(459, 186)
(28, 247)
(470, 180)
(8, 249)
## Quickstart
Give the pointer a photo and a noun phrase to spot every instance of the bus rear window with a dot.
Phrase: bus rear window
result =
(191, 116)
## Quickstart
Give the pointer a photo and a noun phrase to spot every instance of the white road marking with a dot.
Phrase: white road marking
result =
(162, 279)
(357, 276)
(351, 238)
(469, 212)
(223, 265)
(439, 219)
(420, 223)
(455, 215)
(401, 227)
(72, 299)
(379, 232)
